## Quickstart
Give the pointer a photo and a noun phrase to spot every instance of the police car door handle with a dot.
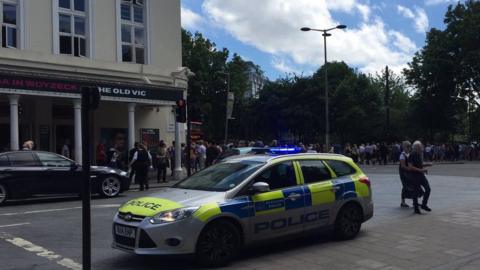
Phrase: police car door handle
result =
(336, 188)
(294, 196)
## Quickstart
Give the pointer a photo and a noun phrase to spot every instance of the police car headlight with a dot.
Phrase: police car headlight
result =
(174, 215)
(123, 173)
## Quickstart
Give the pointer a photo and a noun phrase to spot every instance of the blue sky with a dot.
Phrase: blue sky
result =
(379, 33)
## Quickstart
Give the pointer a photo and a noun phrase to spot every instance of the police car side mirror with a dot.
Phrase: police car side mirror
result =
(259, 187)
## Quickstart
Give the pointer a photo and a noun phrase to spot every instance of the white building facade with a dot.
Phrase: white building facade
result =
(129, 49)
(256, 80)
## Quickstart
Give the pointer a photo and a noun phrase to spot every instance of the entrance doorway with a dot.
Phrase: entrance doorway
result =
(64, 134)
(4, 137)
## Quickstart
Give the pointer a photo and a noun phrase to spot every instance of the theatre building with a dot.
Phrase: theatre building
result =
(129, 49)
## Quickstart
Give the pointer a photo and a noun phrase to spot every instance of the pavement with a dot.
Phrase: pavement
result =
(45, 234)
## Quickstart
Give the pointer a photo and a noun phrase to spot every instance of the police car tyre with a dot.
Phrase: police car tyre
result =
(218, 244)
(348, 222)
(3, 194)
(110, 186)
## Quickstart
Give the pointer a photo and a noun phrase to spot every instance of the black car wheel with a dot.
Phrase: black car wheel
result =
(3, 194)
(218, 244)
(110, 186)
(348, 222)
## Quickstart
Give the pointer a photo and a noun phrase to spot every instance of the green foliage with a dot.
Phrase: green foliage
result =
(436, 99)
(294, 107)
(207, 89)
(445, 73)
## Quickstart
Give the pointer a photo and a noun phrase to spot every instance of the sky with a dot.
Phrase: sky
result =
(267, 32)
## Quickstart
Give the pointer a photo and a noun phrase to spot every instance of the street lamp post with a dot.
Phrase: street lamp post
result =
(227, 74)
(325, 34)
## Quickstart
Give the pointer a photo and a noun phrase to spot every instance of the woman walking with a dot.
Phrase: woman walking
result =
(404, 170)
(416, 166)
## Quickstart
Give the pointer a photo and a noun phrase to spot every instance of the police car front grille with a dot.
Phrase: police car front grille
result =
(134, 218)
(125, 241)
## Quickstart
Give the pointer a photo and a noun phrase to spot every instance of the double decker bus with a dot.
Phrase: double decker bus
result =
(196, 132)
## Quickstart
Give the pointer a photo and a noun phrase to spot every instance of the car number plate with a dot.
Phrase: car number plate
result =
(124, 231)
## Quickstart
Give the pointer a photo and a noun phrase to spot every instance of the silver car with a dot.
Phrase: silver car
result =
(245, 200)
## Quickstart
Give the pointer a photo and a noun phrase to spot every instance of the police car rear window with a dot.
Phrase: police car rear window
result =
(314, 171)
(340, 168)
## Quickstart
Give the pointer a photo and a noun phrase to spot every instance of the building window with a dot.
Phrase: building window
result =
(9, 21)
(133, 38)
(72, 27)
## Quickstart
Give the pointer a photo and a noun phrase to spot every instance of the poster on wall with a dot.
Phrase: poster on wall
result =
(150, 137)
(115, 143)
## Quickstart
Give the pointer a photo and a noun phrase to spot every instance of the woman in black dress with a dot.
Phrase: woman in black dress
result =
(418, 171)
(404, 170)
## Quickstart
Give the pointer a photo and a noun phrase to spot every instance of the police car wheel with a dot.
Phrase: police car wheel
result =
(110, 186)
(3, 194)
(348, 223)
(218, 244)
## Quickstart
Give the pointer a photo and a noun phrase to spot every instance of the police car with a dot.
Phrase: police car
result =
(245, 200)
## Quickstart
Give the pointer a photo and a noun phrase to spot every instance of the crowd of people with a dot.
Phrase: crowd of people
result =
(140, 159)
(383, 153)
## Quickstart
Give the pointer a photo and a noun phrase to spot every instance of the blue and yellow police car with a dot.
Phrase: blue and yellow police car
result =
(245, 200)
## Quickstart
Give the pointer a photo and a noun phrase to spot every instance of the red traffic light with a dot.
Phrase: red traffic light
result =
(181, 103)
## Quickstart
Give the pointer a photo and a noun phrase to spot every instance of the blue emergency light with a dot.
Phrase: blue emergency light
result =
(285, 150)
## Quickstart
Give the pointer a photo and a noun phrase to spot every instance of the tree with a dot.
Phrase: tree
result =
(445, 72)
(207, 89)
(399, 103)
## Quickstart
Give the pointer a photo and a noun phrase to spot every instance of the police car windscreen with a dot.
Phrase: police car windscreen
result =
(220, 177)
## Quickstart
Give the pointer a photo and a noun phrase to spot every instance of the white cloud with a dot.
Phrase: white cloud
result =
(190, 19)
(402, 42)
(405, 12)
(364, 10)
(280, 64)
(437, 2)
(419, 17)
(273, 26)
(341, 5)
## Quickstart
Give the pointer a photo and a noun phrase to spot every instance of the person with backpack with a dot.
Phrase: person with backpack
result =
(141, 162)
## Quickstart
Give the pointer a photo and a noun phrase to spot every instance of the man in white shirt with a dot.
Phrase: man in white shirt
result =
(202, 154)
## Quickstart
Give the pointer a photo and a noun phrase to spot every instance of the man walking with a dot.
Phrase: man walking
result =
(201, 154)
(141, 162)
(212, 153)
(131, 152)
(171, 157)
(162, 160)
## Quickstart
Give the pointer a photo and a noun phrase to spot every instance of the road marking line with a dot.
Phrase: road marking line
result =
(42, 252)
(60, 209)
(14, 225)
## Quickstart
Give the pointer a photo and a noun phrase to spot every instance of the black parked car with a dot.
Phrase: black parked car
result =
(27, 173)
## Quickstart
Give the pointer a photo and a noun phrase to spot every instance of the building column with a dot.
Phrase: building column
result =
(131, 125)
(14, 140)
(77, 108)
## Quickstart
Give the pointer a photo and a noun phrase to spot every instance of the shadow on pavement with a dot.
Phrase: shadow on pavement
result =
(302, 243)
(54, 199)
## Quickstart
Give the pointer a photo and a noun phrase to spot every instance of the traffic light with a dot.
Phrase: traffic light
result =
(181, 111)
